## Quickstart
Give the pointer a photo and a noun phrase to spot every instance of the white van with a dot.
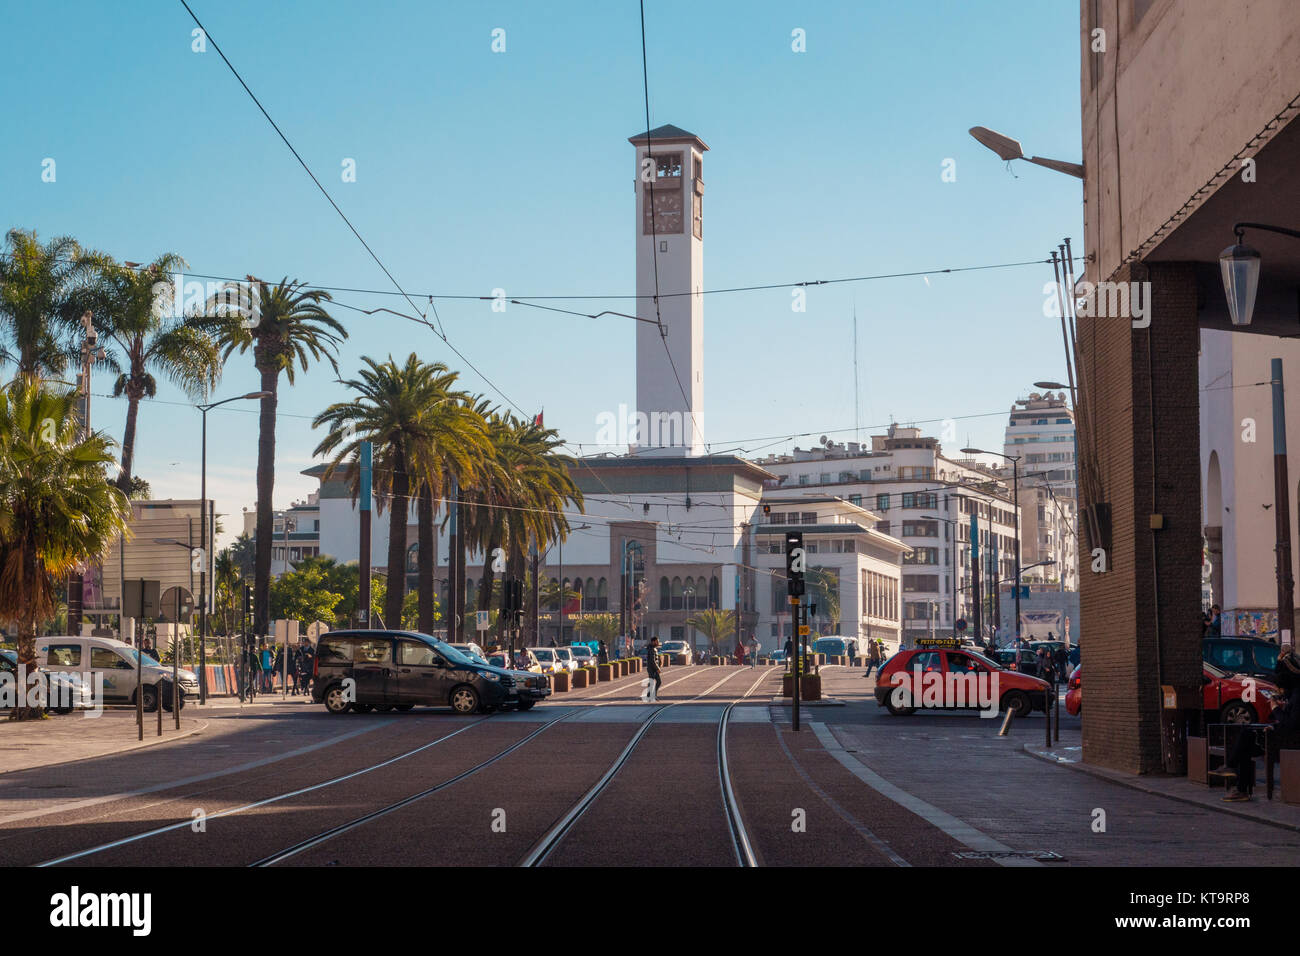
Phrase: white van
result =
(116, 661)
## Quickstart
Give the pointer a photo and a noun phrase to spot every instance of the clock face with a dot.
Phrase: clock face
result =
(667, 211)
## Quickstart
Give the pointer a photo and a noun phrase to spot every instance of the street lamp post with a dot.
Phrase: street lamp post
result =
(688, 592)
(289, 525)
(1015, 486)
(204, 546)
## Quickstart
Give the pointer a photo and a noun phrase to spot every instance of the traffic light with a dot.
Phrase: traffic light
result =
(795, 563)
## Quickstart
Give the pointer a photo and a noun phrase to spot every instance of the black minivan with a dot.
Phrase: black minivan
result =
(1241, 655)
(397, 670)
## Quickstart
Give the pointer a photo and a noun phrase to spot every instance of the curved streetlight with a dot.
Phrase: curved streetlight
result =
(203, 537)
(1009, 149)
(1015, 486)
(1239, 265)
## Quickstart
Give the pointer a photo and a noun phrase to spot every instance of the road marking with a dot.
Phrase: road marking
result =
(260, 803)
(629, 685)
(199, 778)
(959, 830)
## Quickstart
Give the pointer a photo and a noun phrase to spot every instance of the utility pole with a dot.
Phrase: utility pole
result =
(975, 575)
(365, 453)
(1282, 512)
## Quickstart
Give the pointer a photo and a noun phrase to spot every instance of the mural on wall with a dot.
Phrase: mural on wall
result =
(1035, 625)
(1250, 623)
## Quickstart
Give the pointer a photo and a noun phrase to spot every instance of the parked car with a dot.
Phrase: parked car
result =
(1241, 655)
(1223, 697)
(675, 649)
(1016, 690)
(63, 693)
(472, 651)
(398, 670)
(565, 657)
(547, 659)
(777, 655)
(1023, 660)
(835, 646)
(583, 654)
(115, 661)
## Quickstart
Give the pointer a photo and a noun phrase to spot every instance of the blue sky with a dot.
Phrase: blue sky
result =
(479, 170)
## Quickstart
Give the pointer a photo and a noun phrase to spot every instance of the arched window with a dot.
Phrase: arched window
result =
(664, 597)
(602, 595)
(676, 590)
(689, 593)
(554, 603)
(713, 590)
(589, 595)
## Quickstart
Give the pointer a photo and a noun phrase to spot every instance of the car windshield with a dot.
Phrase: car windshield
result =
(10, 656)
(563, 652)
(129, 654)
(983, 660)
(542, 654)
(1266, 656)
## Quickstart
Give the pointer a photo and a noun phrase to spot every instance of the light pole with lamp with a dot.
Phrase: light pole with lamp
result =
(1240, 268)
(176, 637)
(203, 537)
(688, 592)
(1015, 486)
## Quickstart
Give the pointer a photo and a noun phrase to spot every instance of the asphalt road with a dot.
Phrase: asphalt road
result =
(595, 777)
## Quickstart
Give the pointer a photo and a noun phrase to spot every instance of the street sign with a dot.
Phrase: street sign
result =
(140, 599)
(803, 630)
(961, 624)
(481, 620)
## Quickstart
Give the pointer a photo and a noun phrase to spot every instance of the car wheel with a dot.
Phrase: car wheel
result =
(525, 704)
(362, 708)
(1237, 712)
(1018, 701)
(403, 708)
(150, 697)
(896, 709)
(336, 701)
(464, 699)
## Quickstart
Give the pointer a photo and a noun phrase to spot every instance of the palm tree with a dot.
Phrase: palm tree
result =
(520, 499)
(57, 508)
(135, 318)
(598, 627)
(39, 305)
(285, 325)
(423, 429)
(718, 626)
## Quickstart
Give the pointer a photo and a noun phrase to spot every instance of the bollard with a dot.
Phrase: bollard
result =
(1006, 722)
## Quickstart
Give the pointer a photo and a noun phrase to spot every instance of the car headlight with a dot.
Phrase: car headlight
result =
(1267, 694)
(489, 675)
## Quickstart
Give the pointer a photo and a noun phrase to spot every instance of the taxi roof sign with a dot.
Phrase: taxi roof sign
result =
(938, 642)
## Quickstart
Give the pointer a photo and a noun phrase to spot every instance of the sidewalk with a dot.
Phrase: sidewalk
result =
(25, 745)
(1260, 809)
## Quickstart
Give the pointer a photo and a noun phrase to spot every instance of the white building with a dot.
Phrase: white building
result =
(926, 501)
(1238, 506)
(304, 530)
(1041, 433)
(843, 540)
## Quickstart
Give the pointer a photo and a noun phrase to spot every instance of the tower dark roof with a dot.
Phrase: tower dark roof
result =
(667, 134)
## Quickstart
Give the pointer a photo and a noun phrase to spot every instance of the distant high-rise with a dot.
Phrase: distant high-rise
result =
(669, 266)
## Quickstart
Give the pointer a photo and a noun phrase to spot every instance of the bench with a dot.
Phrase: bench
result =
(1219, 742)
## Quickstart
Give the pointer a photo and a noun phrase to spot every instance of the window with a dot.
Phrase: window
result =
(922, 556)
(804, 479)
(809, 517)
(920, 582)
(855, 500)
(102, 657)
(65, 655)
(334, 650)
(663, 594)
(664, 197)
(882, 502)
(416, 654)
(922, 529)
(909, 500)
(372, 651)
(882, 527)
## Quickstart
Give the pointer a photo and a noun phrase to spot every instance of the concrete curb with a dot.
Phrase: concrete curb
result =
(137, 745)
(824, 702)
(1232, 811)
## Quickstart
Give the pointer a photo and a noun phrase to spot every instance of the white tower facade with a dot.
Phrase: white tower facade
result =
(669, 257)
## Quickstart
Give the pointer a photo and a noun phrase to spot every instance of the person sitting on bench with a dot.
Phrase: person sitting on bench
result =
(1285, 720)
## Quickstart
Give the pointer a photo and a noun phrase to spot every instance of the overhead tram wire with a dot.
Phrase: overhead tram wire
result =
(324, 192)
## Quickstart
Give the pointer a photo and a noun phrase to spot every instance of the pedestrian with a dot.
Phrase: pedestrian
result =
(873, 657)
(147, 647)
(278, 667)
(602, 655)
(740, 652)
(1062, 662)
(653, 678)
(267, 663)
(306, 662)
(1046, 667)
(754, 647)
(1216, 622)
(1286, 728)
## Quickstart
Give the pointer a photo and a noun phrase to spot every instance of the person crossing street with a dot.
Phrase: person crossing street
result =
(653, 677)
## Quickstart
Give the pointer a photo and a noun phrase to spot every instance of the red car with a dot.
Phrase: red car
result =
(1223, 697)
(953, 678)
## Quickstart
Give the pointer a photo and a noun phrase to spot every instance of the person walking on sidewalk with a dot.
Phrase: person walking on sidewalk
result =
(873, 657)
(754, 648)
(267, 663)
(653, 677)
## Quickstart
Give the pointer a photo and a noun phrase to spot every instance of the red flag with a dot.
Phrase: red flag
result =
(538, 420)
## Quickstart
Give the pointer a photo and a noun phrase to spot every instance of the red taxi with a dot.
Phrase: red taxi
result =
(939, 674)
(1223, 696)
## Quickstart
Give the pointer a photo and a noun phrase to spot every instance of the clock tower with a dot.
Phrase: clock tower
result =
(669, 253)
